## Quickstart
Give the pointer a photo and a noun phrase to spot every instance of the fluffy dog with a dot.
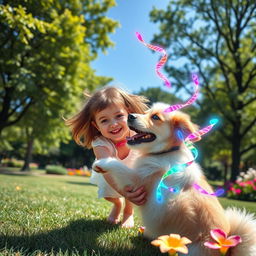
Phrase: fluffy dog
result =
(189, 212)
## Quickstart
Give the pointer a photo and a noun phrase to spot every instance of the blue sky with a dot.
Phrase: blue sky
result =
(130, 63)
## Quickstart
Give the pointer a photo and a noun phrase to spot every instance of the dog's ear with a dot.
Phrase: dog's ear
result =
(183, 126)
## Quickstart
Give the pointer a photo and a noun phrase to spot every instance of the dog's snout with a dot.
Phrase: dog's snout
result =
(131, 117)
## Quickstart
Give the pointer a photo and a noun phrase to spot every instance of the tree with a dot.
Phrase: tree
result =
(46, 51)
(156, 94)
(217, 39)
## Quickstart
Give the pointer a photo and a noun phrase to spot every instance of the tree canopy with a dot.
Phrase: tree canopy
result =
(46, 51)
(217, 39)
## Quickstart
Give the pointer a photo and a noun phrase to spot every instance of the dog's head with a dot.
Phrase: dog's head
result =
(158, 131)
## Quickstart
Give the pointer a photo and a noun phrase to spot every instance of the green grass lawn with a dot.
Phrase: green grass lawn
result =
(61, 215)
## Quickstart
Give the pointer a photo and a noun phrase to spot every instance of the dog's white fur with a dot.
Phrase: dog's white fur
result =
(188, 213)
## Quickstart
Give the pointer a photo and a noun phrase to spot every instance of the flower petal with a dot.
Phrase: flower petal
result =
(218, 235)
(176, 236)
(163, 238)
(182, 249)
(185, 240)
(212, 245)
(232, 241)
(164, 248)
(156, 242)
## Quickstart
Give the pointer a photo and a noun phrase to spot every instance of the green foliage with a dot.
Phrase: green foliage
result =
(156, 94)
(12, 162)
(48, 63)
(55, 169)
(216, 39)
(46, 51)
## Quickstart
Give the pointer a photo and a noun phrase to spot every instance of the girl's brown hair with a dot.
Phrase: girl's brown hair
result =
(81, 124)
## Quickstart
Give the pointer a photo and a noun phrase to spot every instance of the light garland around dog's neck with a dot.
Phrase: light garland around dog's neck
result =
(181, 167)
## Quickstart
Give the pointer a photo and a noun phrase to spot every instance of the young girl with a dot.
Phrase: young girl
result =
(102, 125)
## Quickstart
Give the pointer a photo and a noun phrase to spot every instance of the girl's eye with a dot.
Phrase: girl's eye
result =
(155, 117)
(103, 121)
(120, 115)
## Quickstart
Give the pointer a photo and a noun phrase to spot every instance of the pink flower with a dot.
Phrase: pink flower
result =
(249, 182)
(238, 191)
(141, 230)
(223, 242)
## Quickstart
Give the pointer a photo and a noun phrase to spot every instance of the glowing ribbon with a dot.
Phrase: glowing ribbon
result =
(190, 101)
(181, 167)
(218, 192)
(191, 137)
(201, 132)
(162, 60)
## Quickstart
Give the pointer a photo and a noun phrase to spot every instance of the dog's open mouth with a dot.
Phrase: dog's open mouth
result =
(140, 137)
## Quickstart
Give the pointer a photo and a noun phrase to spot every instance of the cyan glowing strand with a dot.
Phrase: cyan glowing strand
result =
(162, 61)
(182, 167)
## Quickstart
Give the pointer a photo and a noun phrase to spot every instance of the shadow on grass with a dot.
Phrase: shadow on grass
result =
(80, 237)
(81, 183)
(15, 173)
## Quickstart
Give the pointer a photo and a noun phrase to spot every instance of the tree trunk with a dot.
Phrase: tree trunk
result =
(28, 156)
(225, 172)
(236, 156)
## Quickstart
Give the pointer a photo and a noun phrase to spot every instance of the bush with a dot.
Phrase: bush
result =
(245, 186)
(33, 166)
(12, 162)
(55, 169)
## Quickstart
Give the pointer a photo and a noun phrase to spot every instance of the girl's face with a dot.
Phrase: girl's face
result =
(112, 123)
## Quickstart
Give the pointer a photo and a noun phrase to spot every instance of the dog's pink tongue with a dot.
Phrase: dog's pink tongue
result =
(134, 136)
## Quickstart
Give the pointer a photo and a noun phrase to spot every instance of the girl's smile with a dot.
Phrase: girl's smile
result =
(111, 122)
(116, 131)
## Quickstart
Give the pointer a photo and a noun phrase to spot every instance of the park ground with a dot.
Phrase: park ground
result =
(61, 215)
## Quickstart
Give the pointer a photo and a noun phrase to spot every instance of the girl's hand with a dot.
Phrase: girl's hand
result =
(137, 196)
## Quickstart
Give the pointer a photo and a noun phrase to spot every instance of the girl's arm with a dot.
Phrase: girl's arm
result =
(103, 152)
(137, 197)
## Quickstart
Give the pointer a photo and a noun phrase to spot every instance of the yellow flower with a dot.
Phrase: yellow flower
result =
(172, 244)
(18, 188)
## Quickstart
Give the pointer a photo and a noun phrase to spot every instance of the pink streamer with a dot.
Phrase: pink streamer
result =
(218, 192)
(190, 101)
(198, 134)
(162, 61)
(172, 108)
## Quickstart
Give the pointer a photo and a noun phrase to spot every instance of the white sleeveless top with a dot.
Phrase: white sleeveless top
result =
(104, 189)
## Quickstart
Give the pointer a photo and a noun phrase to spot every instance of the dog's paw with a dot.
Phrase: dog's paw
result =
(98, 169)
(103, 165)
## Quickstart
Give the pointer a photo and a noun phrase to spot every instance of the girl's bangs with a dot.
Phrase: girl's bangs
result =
(102, 104)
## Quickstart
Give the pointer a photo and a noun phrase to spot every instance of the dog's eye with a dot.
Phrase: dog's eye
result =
(155, 117)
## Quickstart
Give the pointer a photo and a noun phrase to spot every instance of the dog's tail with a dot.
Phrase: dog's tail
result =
(244, 225)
